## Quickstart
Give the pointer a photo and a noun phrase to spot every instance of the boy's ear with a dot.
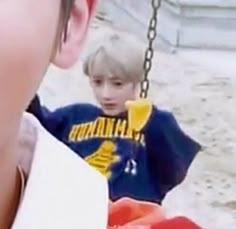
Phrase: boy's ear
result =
(69, 51)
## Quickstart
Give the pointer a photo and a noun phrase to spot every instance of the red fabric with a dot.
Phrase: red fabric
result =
(128, 213)
(175, 223)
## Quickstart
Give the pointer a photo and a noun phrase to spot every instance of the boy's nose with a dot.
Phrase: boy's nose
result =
(107, 92)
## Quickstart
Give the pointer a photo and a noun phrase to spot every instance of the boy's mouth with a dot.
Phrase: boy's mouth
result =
(109, 106)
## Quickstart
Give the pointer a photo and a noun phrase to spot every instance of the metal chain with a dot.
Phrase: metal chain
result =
(152, 33)
(131, 166)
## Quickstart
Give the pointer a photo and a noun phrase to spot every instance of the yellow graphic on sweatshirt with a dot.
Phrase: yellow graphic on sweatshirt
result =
(103, 158)
(104, 128)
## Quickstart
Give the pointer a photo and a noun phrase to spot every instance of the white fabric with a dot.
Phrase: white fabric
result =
(62, 192)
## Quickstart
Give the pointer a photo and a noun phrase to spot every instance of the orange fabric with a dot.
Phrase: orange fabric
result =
(127, 212)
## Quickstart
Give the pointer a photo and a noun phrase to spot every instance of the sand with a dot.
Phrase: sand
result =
(203, 101)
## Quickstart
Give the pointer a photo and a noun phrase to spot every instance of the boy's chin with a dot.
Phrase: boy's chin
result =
(112, 112)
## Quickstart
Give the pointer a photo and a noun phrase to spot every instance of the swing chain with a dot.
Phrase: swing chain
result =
(131, 166)
(149, 53)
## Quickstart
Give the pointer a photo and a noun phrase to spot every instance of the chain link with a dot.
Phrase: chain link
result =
(152, 33)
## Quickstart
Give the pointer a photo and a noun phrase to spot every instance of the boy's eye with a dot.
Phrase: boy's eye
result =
(118, 84)
(97, 82)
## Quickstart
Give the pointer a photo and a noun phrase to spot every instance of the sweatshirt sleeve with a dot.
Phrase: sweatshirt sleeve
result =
(59, 121)
(36, 109)
(170, 151)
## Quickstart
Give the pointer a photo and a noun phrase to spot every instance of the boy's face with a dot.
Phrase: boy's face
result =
(111, 91)
(28, 31)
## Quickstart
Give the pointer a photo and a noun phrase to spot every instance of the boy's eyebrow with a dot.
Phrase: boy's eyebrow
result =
(112, 77)
(122, 78)
(97, 76)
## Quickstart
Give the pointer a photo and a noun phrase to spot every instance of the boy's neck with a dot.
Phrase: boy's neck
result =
(10, 185)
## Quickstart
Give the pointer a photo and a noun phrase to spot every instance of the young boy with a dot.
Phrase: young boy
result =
(42, 183)
(142, 151)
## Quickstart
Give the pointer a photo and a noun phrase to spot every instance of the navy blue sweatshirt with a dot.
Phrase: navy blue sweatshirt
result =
(145, 168)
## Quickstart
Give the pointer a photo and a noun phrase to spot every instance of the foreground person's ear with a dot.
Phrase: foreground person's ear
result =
(69, 50)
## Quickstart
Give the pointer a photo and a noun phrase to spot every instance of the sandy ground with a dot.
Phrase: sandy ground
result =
(203, 102)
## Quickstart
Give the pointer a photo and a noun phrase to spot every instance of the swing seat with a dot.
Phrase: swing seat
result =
(128, 213)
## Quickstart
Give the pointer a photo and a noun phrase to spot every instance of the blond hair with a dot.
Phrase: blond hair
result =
(121, 53)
